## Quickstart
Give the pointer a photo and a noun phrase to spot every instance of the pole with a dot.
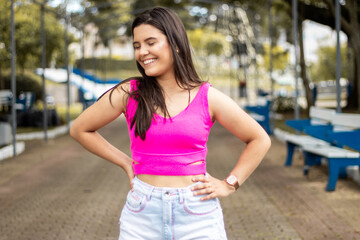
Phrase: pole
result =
(82, 70)
(338, 55)
(13, 79)
(271, 114)
(67, 68)
(295, 36)
(43, 43)
(271, 48)
(256, 33)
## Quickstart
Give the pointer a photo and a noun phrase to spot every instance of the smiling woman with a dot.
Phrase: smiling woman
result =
(153, 53)
(170, 111)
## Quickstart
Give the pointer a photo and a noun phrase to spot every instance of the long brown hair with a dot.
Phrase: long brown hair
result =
(149, 94)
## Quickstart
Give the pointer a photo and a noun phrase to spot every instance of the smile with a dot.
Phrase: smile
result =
(148, 61)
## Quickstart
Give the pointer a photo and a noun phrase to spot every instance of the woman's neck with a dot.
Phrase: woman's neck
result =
(168, 84)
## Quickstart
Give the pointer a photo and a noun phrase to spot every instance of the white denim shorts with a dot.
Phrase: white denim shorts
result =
(153, 213)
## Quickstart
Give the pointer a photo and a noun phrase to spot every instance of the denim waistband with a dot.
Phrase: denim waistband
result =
(161, 192)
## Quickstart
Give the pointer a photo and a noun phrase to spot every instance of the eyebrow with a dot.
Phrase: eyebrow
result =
(147, 39)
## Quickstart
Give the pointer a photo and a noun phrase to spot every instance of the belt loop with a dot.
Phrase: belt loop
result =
(181, 196)
(148, 196)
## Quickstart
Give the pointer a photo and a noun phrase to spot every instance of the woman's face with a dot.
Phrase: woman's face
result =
(153, 52)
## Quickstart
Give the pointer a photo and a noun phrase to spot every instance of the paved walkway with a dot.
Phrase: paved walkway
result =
(58, 191)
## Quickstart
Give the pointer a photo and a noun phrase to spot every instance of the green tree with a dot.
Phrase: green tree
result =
(4, 39)
(207, 42)
(281, 57)
(28, 35)
(107, 15)
(323, 12)
(325, 67)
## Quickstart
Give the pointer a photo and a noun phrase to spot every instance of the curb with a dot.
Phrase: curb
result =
(40, 134)
(8, 152)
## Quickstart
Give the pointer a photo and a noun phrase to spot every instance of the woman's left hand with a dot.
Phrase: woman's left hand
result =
(211, 187)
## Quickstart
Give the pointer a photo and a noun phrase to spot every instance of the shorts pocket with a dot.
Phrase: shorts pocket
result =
(135, 201)
(194, 206)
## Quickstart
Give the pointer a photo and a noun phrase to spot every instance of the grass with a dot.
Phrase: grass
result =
(74, 111)
(280, 123)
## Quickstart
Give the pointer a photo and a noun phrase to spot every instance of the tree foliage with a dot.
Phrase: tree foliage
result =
(281, 58)
(325, 67)
(28, 35)
(107, 15)
(323, 12)
(208, 42)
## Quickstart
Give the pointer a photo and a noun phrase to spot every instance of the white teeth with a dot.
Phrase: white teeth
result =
(149, 61)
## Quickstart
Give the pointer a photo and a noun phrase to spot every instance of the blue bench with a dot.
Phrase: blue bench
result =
(25, 101)
(345, 132)
(261, 113)
(318, 116)
(320, 121)
(5, 100)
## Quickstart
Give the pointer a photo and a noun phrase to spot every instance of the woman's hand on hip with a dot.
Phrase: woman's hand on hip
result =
(211, 187)
(130, 172)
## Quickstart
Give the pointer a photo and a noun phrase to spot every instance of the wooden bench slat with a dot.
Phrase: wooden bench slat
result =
(325, 114)
(346, 120)
(304, 140)
(331, 151)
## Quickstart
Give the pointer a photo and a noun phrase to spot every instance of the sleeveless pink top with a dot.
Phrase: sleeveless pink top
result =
(173, 144)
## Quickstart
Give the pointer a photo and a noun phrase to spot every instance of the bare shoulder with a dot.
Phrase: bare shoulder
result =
(229, 114)
(115, 98)
(214, 94)
(123, 88)
(218, 101)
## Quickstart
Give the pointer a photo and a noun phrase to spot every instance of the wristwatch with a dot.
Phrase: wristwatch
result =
(232, 181)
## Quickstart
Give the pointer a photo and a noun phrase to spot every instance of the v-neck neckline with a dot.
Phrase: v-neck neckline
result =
(185, 109)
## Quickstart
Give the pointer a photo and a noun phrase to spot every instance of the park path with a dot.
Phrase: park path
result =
(58, 191)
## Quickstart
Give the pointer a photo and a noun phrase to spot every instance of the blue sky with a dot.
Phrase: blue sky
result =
(316, 35)
(73, 5)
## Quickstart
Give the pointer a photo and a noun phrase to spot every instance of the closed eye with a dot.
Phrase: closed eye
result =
(136, 46)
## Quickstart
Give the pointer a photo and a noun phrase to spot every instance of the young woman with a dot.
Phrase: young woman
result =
(169, 112)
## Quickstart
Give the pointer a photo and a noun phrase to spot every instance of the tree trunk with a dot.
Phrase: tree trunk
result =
(355, 42)
(352, 96)
(2, 84)
(356, 85)
(306, 83)
(349, 25)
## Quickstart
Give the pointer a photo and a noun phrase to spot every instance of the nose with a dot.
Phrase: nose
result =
(143, 51)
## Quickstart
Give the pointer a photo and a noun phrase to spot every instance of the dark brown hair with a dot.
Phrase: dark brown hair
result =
(149, 93)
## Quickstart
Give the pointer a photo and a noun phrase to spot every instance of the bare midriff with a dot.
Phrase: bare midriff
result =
(167, 181)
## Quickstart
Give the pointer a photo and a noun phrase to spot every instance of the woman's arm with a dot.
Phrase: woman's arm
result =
(224, 110)
(84, 129)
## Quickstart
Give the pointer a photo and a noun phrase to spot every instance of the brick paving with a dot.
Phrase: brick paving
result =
(57, 190)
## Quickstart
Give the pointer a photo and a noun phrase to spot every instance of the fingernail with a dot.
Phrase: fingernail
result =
(193, 179)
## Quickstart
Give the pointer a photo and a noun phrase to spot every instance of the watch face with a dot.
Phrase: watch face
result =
(231, 180)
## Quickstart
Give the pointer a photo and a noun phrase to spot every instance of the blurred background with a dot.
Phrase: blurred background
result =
(66, 53)
(275, 58)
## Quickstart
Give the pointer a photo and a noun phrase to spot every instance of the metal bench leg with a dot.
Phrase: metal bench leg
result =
(334, 169)
(342, 172)
(310, 160)
(290, 153)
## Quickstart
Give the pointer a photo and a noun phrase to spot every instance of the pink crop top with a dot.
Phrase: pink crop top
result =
(172, 145)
